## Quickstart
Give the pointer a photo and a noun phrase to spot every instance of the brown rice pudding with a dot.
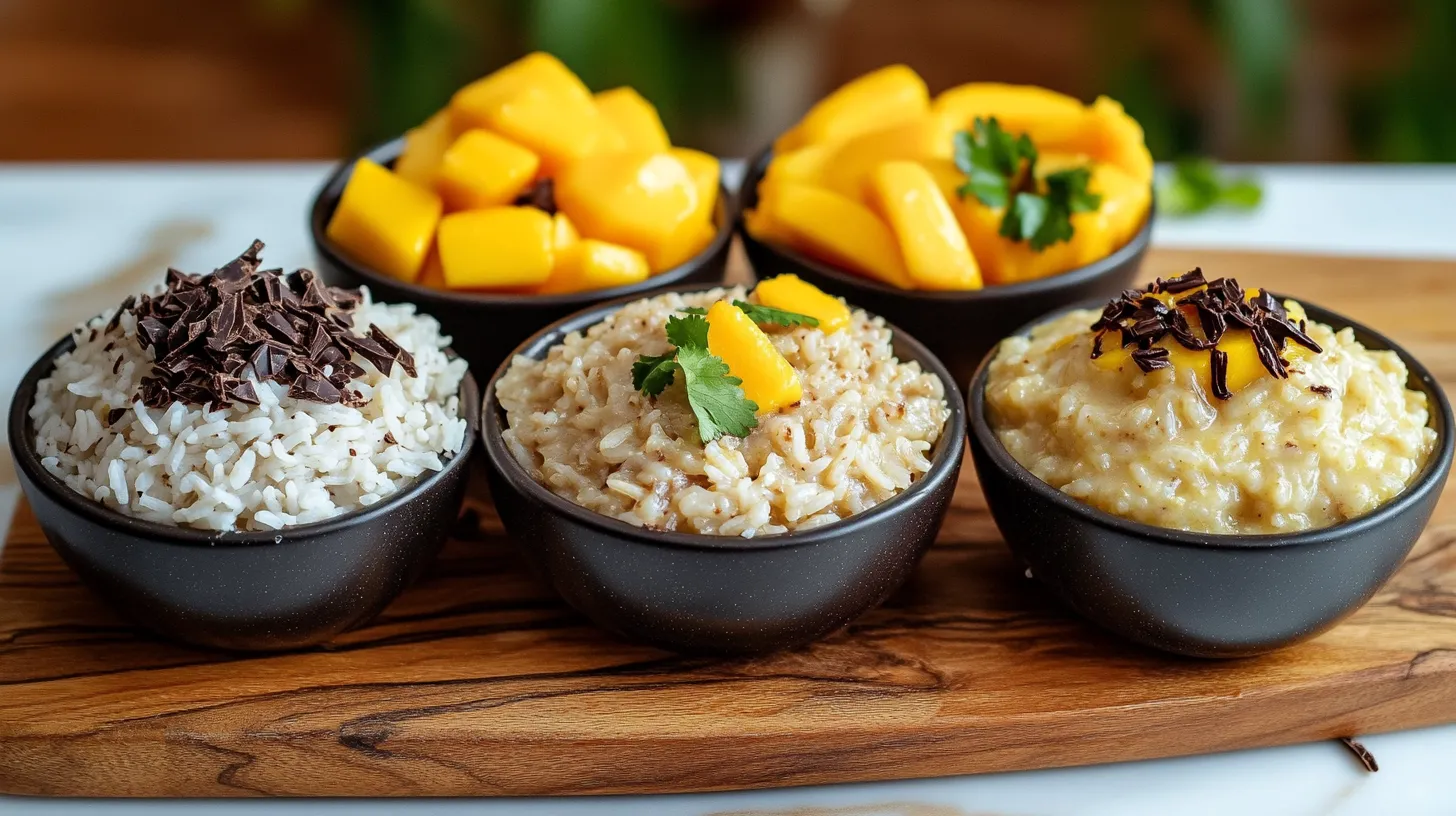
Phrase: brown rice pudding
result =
(1200, 406)
(809, 419)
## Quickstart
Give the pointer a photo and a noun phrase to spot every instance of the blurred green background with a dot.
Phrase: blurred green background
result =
(1244, 80)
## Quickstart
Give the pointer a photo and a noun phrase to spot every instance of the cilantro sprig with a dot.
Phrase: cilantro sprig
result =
(1001, 172)
(714, 394)
(764, 315)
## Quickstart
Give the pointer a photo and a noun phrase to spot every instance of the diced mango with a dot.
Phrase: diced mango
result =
(848, 169)
(691, 236)
(1120, 140)
(496, 248)
(635, 119)
(592, 264)
(564, 236)
(935, 250)
(704, 170)
(768, 379)
(790, 293)
(476, 104)
(560, 129)
(837, 230)
(432, 274)
(874, 101)
(424, 147)
(1125, 202)
(804, 164)
(639, 200)
(1045, 115)
(760, 223)
(483, 170)
(385, 221)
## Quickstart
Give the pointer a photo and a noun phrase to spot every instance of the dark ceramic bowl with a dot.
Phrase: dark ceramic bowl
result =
(1203, 594)
(960, 327)
(720, 594)
(251, 591)
(485, 327)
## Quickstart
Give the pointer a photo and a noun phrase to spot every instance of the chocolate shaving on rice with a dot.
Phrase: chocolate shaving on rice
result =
(212, 336)
(1142, 320)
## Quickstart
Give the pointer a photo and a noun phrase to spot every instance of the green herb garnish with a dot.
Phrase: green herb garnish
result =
(769, 316)
(1001, 172)
(1197, 185)
(713, 393)
(693, 310)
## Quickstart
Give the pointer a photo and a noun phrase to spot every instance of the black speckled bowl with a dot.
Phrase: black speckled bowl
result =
(484, 327)
(1202, 594)
(250, 591)
(720, 594)
(959, 327)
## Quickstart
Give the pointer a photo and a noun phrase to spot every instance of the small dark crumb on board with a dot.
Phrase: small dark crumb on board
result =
(1361, 753)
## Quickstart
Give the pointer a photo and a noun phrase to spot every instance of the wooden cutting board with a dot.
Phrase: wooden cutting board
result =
(479, 682)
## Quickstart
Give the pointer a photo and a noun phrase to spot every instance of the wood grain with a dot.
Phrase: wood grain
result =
(479, 682)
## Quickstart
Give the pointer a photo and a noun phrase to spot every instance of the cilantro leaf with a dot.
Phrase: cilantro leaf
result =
(688, 332)
(714, 395)
(652, 374)
(993, 162)
(768, 315)
(1197, 185)
(693, 310)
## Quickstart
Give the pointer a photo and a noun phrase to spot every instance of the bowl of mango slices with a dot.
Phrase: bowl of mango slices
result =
(525, 199)
(963, 215)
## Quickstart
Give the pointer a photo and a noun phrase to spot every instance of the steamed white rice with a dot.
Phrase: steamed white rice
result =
(285, 461)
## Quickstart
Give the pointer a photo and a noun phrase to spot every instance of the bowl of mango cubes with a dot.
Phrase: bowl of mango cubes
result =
(525, 199)
(963, 215)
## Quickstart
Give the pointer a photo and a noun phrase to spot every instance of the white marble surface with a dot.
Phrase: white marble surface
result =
(75, 239)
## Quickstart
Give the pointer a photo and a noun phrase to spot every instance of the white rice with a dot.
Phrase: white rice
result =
(282, 462)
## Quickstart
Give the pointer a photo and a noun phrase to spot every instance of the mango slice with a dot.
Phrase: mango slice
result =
(476, 104)
(385, 221)
(563, 235)
(635, 119)
(559, 128)
(424, 147)
(935, 250)
(495, 248)
(848, 169)
(691, 237)
(837, 230)
(792, 294)
(643, 201)
(432, 274)
(1120, 140)
(876, 100)
(483, 170)
(804, 164)
(592, 264)
(1045, 115)
(768, 379)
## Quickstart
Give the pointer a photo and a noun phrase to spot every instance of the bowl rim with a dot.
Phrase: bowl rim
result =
(22, 447)
(945, 460)
(1432, 473)
(325, 200)
(748, 196)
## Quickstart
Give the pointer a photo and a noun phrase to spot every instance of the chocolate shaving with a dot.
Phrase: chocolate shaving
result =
(1322, 390)
(214, 337)
(541, 195)
(1361, 753)
(1142, 320)
(113, 415)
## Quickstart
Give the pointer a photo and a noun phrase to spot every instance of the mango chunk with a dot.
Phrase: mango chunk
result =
(1046, 116)
(564, 236)
(496, 248)
(935, 250)
(483, 170)
(837, 230)
(635, 119)
(424, 147)
(691, 236)
(848, 169)
(876, 100)
(592, 264)
(559, 128)
(804, 164)
(385, 221)
(790, 293)
(1120, 140)
(476, 104)
(643, 201)
(431, 273)
(768, 379)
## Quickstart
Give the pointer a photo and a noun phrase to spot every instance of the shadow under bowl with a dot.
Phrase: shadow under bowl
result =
(246, 591)
(1204, 594)
(719, 594)
(484, 326)
(959, 327)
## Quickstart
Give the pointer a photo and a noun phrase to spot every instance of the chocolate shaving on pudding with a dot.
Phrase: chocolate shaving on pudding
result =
(1322, 390)
(212, 336)
(1142, 320)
